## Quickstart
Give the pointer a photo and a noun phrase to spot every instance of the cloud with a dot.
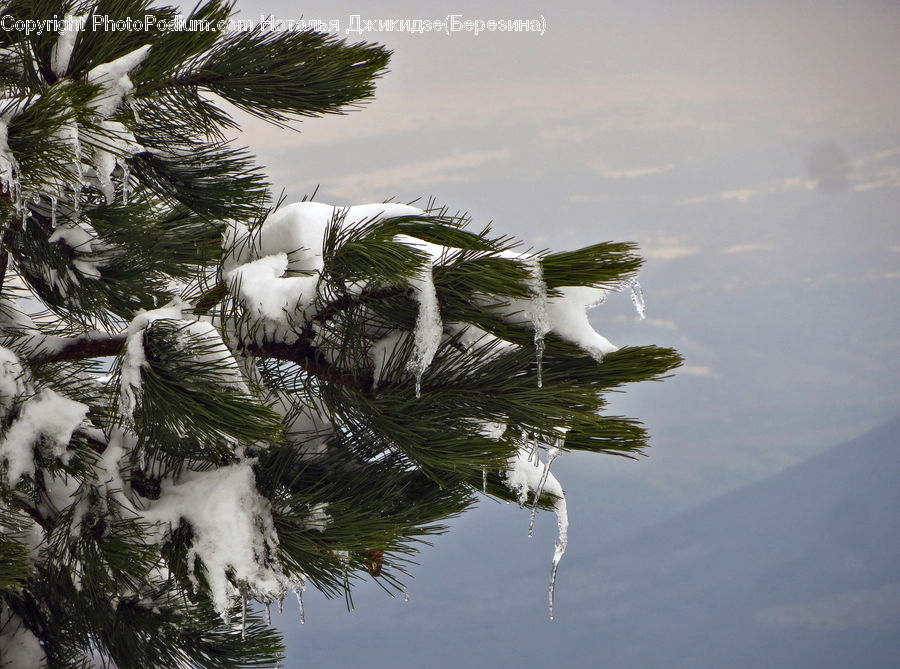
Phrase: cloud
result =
(633, 173)
(829, 171)
(668, 252)
(698, 370)
(699, 199)
(745, 248)
(386, 181)
(741, 194)
(887, 177)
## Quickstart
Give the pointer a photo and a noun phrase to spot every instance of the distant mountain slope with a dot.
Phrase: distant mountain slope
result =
(799, 570)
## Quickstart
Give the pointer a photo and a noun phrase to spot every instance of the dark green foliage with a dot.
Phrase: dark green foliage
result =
(351, 461)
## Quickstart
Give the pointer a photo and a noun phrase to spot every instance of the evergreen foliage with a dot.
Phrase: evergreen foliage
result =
(337, 426)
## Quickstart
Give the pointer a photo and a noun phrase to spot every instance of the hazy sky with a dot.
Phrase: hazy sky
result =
(751, 149)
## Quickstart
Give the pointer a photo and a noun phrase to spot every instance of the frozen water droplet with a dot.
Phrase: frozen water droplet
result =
(637, 297)
(483, 480)
(268, 614)
(418, 385)
(405, 597)
(281, 604)
(53, 201)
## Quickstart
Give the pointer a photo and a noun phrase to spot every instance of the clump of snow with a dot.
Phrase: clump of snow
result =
(112, 77)
(112, 143)
(232, 527)
(12, 380)
(298, 230)
(65, 45)
(134, 359)
(568, 318)
(47, 415)
(272, 300)
(258, 262)
(19, 648)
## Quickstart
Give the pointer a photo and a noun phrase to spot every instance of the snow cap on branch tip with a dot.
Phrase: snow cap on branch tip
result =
(112, 77)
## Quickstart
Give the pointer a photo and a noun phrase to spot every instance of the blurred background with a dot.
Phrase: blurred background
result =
(752, 150)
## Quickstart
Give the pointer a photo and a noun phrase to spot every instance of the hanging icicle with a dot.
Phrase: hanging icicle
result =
(539, 318)
(637, 297)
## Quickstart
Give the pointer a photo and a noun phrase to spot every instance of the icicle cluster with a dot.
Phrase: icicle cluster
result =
(527, 474)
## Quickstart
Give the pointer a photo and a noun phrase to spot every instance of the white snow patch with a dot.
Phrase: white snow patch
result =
(298, 230)
(113, 79)
(65, 45)
(48, 415)
(12, 380)
(133, 359)
(273, 300)
(232, 527)
(19, 648)
(568, 318)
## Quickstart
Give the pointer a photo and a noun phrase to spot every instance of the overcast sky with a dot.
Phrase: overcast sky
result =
(751, 149)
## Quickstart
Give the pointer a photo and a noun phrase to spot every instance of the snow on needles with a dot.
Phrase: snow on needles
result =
(233, 530)
(47, 415)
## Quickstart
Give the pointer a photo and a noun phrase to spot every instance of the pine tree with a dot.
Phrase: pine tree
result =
(208, 398)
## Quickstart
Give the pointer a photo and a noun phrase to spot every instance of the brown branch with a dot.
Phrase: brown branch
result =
(83, 348)
(210, 298)
(303, 354)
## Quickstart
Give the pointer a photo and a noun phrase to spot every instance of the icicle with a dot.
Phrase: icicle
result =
(299, 594)
(637, 297)
(76, 200)
(551, 456)
(539, 318)
(427, 335)
(269, 614)
(405, 597)
(281, 604)
(561, 545)
(53, 201)
(243, 615)
(483, 479)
